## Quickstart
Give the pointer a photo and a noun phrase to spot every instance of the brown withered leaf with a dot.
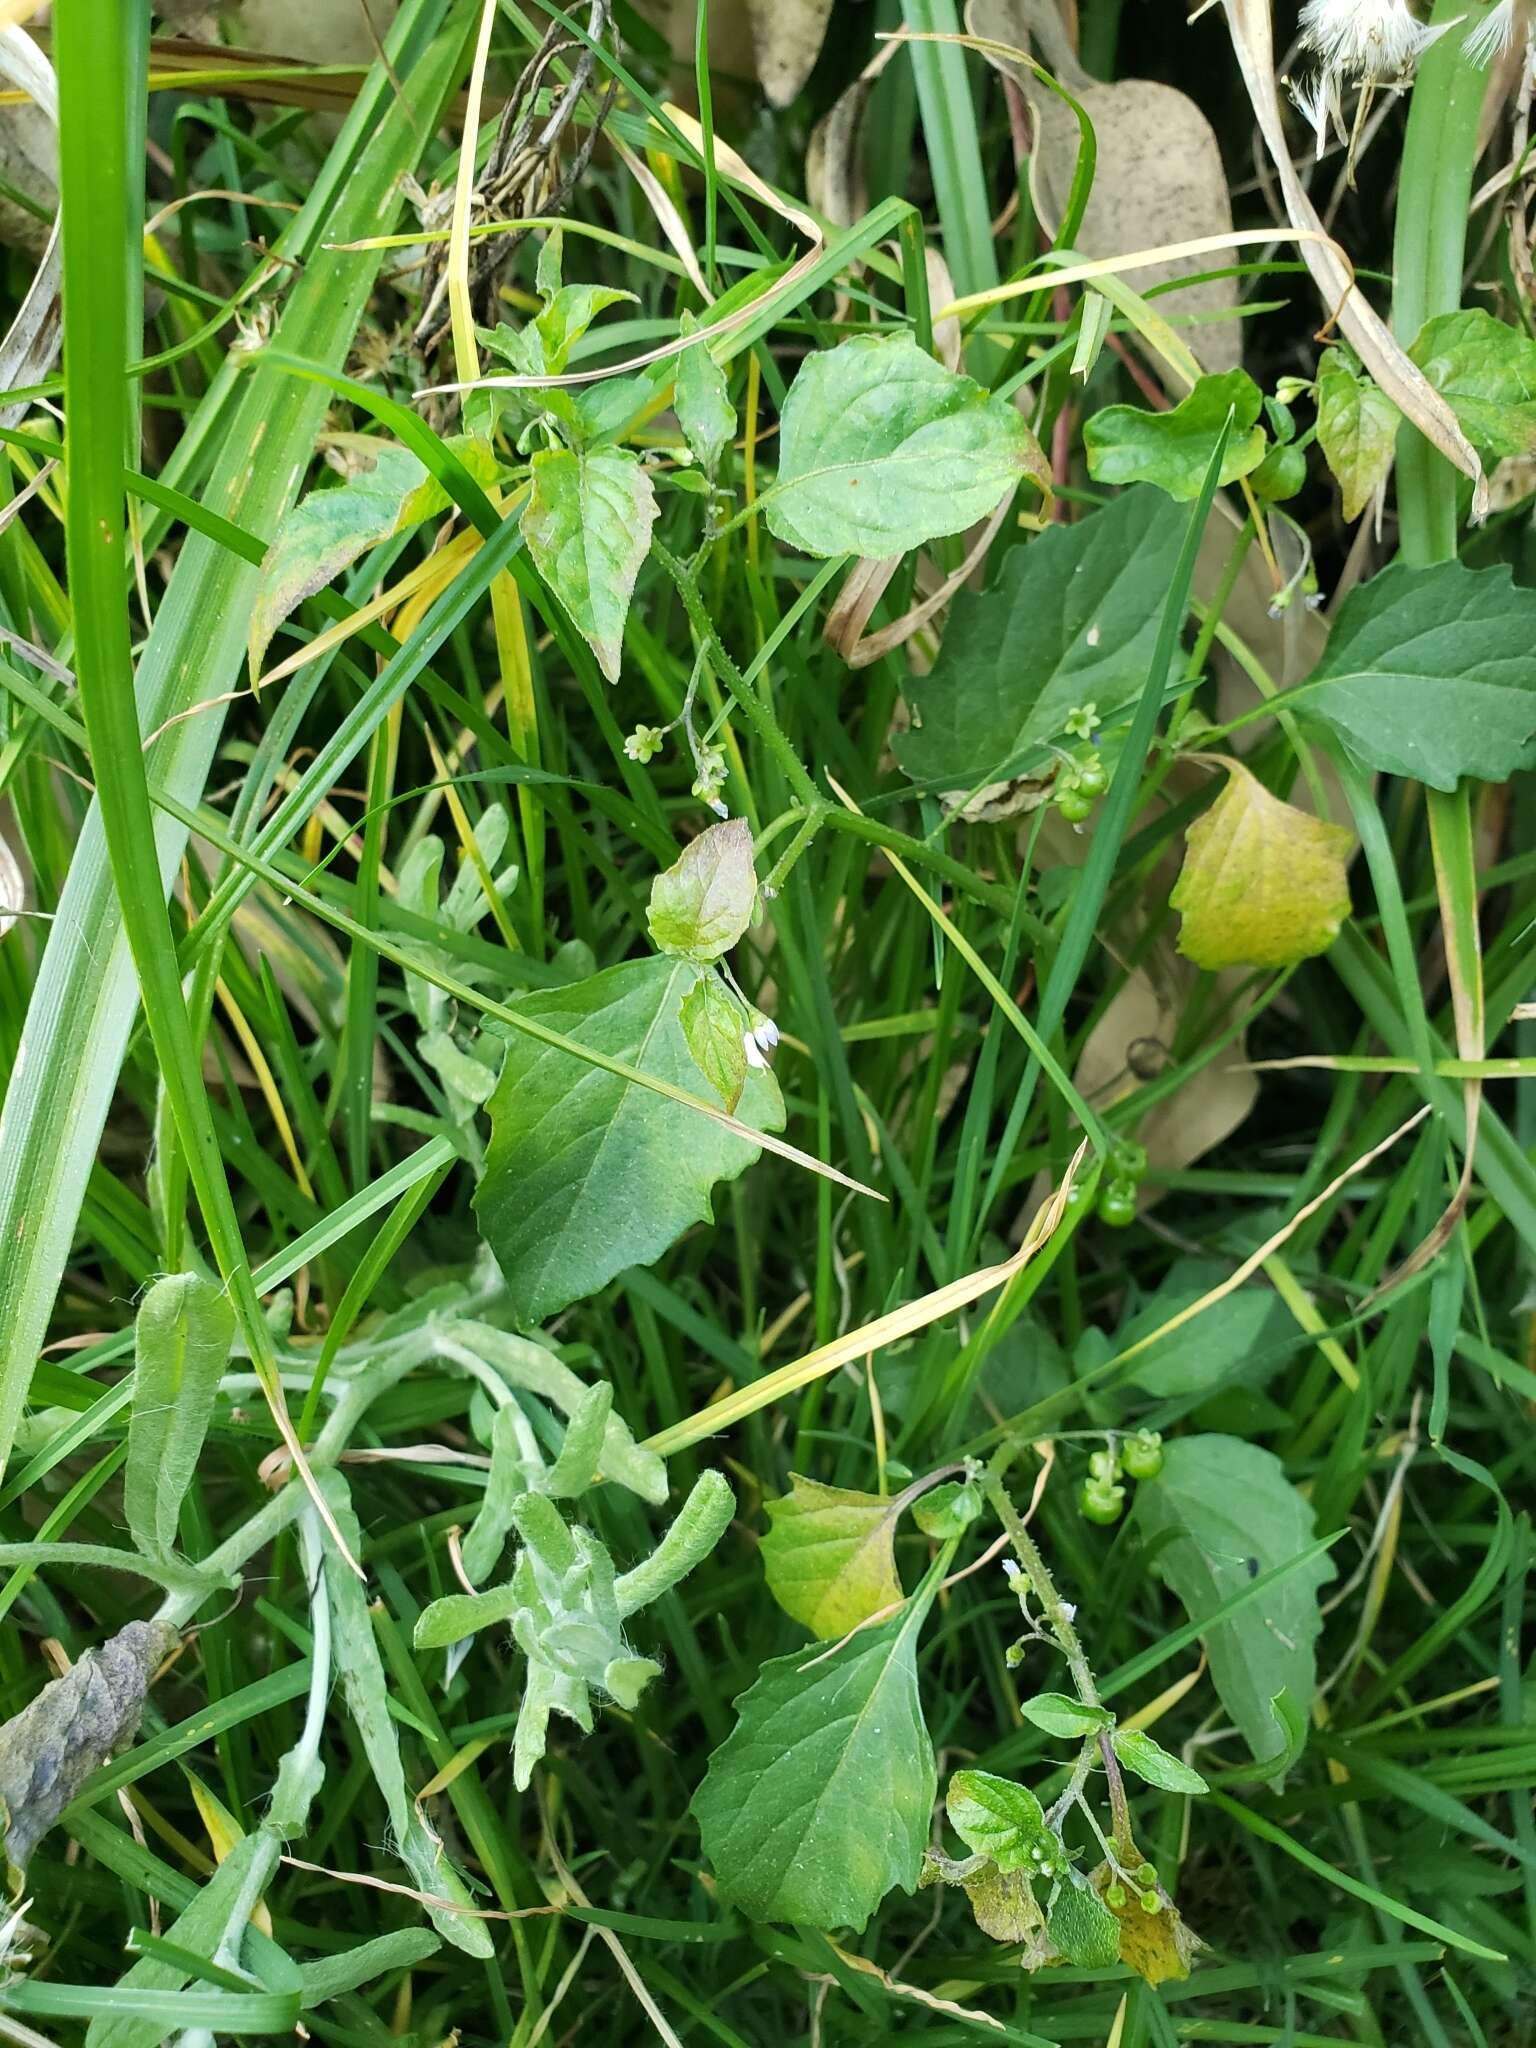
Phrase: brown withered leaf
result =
(51, 1747)
(1158, 179)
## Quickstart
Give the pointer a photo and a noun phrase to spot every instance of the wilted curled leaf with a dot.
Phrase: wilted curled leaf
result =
(51, 1747)
(1263, 884)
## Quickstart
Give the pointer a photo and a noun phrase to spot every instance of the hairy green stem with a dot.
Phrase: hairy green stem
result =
(1056, 1611)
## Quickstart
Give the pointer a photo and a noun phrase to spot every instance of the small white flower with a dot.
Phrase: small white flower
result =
(753, 1050)
(1493, 34)
(1365, 40)
(765, 1031)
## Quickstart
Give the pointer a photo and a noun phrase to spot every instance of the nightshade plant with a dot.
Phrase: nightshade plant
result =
(766, 895)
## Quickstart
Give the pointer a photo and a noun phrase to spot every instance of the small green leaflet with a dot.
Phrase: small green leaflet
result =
(1071, 620)
(714, 1024)
(1486, 371)
(702, 403)
(1356, 429)
(1150, 1761)
(1173, 450)
(829, 1555)
(587, 1173)
(1068, 1718)
(701, 905)
(588, 524)
(997, 1818)
(1263, 884)
(818, 1802)
(1428, 673)
(181, 1338)
(1219, 1515)
(948, 1510)
(882, 448)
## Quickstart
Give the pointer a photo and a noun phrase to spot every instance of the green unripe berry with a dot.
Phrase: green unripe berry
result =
(1092, 775)
(1115, 1896)
(1117, 1204)
(1101, 1503)
(1074, 803)
(1141, 1455)
(1146, 1875)
(1151, 1903)
(1103, 1468)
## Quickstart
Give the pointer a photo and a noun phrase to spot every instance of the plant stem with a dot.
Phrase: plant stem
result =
(1036, 1570)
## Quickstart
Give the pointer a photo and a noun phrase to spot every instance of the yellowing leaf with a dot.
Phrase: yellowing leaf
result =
(1003, 1903)
(1157, 1946)
(828, 1556)
(1263, 884)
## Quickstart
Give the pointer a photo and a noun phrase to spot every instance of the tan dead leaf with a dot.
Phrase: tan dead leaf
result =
(777, 40)
(322, 31)
(1263, 884)
(1158, 179)
(1133, 1042)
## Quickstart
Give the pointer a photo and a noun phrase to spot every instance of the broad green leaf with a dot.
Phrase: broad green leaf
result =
(366, 1692)
(948, 1510)
(1428, 673)
(882, 448)
(997, 1818)
(702, 402)
(1243, 1337)
(181, 1338)
(1219, 1515)
(818, 1801)
(1071, 621)
(1150, 1761)
(588, 523)
(1486, 371)
(1356, 429)
(701, 905)
(1068, 1718)
(1126, 445)
(828, 1555)
(1263, 884)
(586, 1173)
(1084, 1930)
(714, 1025)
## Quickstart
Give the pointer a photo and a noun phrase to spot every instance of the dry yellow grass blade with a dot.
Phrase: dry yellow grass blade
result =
(870, 1337)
